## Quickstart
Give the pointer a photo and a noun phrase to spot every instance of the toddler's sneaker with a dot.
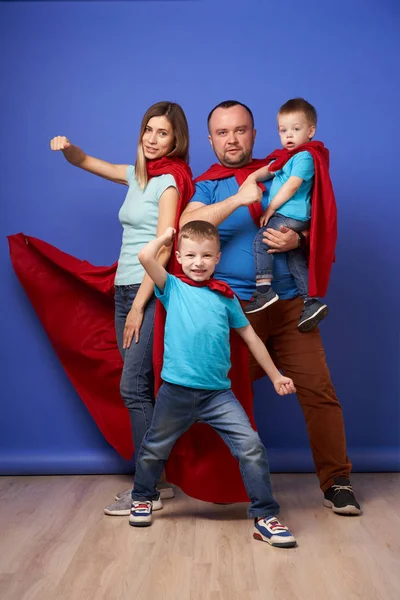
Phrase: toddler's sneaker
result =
(122, 507)
(270, 530)
(313, 312)
(259, 301)
(141, 511)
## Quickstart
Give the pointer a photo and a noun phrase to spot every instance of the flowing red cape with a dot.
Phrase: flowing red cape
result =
(74, 301)
(323, 231)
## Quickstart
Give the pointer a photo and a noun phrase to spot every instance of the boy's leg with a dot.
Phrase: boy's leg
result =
(224, 413)
(173, 415)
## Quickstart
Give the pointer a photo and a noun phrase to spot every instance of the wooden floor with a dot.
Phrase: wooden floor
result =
(56, 544)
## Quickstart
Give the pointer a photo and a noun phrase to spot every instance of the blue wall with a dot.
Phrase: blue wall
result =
(89, 70)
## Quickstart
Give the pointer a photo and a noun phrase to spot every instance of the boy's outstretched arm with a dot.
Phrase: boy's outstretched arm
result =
(283, 385)
(148, 257)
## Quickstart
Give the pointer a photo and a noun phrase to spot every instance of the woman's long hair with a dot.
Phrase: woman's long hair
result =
(175, 115)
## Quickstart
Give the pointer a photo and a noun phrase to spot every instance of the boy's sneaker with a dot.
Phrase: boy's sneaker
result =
(140, 513)
(340, 497)
(270, 530)
(166, 492)
(122, 507)
(313, 312)
(259, 301)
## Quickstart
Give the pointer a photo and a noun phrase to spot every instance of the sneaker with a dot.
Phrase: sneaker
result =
(260, 301)
(313, 312)
(166, 492)
(340, 498)
(270, 530)
(140, 514)
(122, 507)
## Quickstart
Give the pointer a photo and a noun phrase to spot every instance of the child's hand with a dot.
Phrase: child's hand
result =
(168, 236)
(249, 192)
(284, 386)
(266, 217)
(60, 142)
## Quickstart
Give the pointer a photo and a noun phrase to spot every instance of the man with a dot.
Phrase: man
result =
(217, 199)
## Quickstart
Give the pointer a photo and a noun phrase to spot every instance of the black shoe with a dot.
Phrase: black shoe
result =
(313, 312)
(260, 301)
(340, 498)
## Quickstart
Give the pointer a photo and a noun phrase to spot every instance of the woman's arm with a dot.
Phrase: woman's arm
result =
(166, 218)
(78, 158)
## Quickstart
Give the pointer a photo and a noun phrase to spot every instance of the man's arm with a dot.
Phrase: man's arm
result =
(148, 257)
(283, 385)
(216, 213)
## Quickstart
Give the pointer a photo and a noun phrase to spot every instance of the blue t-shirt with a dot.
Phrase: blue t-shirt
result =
(299, 206)
(196, 339)
(139, 217)
(237, 233)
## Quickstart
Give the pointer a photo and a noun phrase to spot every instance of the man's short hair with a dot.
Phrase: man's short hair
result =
(299, 105)
(229, 104)
(198, 230)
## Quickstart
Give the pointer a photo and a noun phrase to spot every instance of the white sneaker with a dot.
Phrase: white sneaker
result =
(122, 507)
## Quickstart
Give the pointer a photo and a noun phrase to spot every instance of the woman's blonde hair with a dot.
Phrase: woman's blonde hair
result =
(175, 115)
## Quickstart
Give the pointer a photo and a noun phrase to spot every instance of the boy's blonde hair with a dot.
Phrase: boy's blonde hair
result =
(299, 105)
(175, 115)
(198, 230)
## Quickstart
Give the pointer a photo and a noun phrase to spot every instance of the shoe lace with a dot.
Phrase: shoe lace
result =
(339, 488)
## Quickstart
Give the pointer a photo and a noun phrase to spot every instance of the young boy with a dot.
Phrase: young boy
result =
(290, 206)
(196, 388)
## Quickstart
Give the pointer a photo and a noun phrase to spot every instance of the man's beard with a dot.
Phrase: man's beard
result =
(239, 160)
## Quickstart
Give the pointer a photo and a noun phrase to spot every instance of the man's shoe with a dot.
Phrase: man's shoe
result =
(122, 507)
(340, 498)
(140, 513)
(313, 312)
(259, 301)
(166, 492)
(270, 530)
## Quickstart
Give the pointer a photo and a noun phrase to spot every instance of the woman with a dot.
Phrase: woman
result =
(158, 186)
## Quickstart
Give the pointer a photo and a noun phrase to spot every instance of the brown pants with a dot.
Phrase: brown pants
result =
(301, 356)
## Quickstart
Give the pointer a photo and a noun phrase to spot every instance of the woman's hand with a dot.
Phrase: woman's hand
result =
(284, 386)
(60, 142)
(133, 324)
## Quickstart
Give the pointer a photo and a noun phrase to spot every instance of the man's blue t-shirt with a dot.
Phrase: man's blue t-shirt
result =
(196, 338)
(237, 233)
(299, 205)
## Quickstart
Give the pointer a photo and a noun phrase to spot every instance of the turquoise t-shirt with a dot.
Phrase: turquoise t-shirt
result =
(237, 234)
(196, 338)
(299, 206)
(139, 217)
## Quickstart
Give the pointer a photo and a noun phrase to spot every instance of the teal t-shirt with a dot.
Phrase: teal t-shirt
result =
(196, 338)
(139, 217)
(299, 206)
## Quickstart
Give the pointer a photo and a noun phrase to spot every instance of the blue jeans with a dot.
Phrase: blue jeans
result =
(176, 409)
(297, 262)
(137, 381)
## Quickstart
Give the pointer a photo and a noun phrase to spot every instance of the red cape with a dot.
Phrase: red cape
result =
(84, 340)
(323, 232)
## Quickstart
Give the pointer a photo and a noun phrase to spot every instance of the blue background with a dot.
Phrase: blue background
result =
(89, 70)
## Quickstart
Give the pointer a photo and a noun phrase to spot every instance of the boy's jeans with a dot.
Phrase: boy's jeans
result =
(296, 258)
(137, 380)
(176, 409)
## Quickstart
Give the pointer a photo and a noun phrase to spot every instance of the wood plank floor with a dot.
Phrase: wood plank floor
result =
(56, 544)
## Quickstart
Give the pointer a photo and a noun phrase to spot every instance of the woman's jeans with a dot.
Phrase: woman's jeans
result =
(296, 259)
(176, 410)
(137, 381)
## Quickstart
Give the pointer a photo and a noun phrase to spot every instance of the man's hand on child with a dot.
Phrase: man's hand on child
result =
(284, 386)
